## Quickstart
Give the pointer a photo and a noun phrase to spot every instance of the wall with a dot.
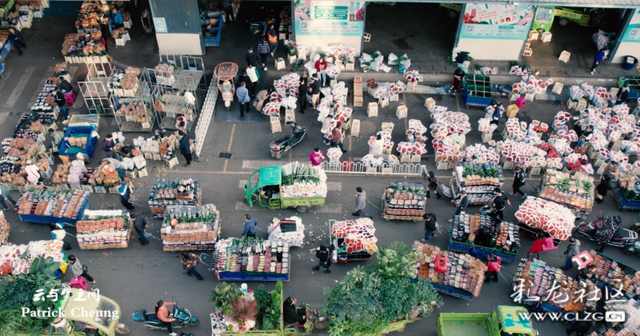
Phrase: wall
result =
(318, 23)
(179, 20)
(494, 31)
(630, 41)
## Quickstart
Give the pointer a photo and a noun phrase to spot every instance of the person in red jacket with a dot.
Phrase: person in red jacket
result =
(537, 246)
(321, 66)
(494, 267)
(162, 313)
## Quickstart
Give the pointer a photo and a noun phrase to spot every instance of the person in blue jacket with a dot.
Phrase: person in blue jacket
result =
(125, 196)
(115, 21)
(600, 56)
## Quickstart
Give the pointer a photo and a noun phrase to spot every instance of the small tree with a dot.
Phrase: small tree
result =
(369, 298)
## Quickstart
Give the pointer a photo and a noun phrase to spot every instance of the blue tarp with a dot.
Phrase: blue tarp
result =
(72, 151)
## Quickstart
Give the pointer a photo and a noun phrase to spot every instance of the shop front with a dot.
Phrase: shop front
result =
(178, 26)
(630, 39)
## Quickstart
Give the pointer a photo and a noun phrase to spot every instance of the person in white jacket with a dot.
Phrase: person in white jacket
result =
(33, 172)
(327, 127)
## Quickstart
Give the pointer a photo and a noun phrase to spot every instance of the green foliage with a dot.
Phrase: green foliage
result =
(224, 296)
(17, 291)
(11, 322)
(368, 299)
(278, 288)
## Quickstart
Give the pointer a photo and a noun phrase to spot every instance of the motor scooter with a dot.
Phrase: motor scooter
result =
(182, 315)
(623, 238)
(281, 146)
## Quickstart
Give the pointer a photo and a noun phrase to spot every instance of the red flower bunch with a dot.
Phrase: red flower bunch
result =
(360, 14)
(551, 151)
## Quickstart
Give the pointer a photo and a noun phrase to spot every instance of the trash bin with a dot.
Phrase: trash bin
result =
(629, 62)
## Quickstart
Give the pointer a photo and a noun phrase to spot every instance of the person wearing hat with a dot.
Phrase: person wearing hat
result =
(461, 202)
(32, 171)
(623, 94)
(65, 86)
(493, 266)
(499, 203)
(572, 250)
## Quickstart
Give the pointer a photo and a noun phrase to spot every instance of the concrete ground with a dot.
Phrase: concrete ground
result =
(136, 277)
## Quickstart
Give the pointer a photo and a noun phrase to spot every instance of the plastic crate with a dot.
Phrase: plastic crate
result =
(459, 247)
(455, 292)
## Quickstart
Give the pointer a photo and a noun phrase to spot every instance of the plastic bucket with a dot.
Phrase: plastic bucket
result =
(629, 62)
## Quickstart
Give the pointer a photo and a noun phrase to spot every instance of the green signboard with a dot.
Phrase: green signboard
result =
(331, 13)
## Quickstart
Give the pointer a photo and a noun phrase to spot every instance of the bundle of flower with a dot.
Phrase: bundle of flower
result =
(413, 76)
(272, 109)
(579, 163)
(370, 160)
(479, 153)
(334, 153)
(447, 152)
(452, 122)
(417, 130)
(485, 125)
(549, 149)
(287, 86)
(598, 140)
(408, 148)
(333, 70)
(358, 235)
(373, 62)
(518, 70)
(550, 217)
(519, 152)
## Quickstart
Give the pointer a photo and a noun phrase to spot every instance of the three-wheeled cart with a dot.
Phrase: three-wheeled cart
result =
(269, 179)
(621, 198)
(340, 254)
(52, 220)
(506, 322)
(481, 252)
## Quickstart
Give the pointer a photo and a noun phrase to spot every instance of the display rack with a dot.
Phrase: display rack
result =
(189, 73)
(211, 28)
(205, 116)
(131, 122)
(174, 104)
(409, 209)
(479, 194)
(95, 90)
(574, 197)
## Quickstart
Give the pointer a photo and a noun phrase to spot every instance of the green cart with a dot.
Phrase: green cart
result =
(506, 320)
(264, 185)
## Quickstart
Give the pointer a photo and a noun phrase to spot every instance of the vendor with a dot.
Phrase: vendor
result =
(603, 188)
(125, 196)
(65, 86)
(88, 329)
(611, 170)
(33, 172)
(269, 191)
(82, 157)
(56, 139)
(587, 273)
(181, 123)
(456, 84)
(115, 21)
(291, 316)
(124, 150)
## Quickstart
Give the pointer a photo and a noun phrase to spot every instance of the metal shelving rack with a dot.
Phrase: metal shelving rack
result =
(136, 123)
(95, 89)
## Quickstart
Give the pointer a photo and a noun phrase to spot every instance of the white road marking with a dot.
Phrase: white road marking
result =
(17, 91)
(331, 186)
(48, 74)
(327, 208)
(257, 164)
(6, 76)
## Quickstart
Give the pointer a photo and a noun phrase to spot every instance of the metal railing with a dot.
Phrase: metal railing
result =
(206, 114)
(349, 167)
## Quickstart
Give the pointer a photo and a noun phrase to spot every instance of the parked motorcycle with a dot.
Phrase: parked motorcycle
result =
(182, 315)
(259, 27)
(281, 146)
(623, 238)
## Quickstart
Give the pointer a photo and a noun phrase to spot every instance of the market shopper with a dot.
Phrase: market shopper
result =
(181, 123)
(263, 50)
(5, 196)
(115, 20)
(251, 58)
(499, 204)
(336, 137)
(315, 90)
(572, 250)
(321, 67)
(243, 98)
(324, 258)
(16, 37)
(272, 36)
(107, 146)
(601, 55)
(603, 188)
(361, 203)
(250, 226)
(33, 172)
(162, 313)
(327, 126)
(316, 157)
(493, 266)
(623, 94)
(185, 147)
(497, 114)
(189, 262)
(302, 92)
(139, 224)
(518, 182)
(611, 169)
(79, 270)
(290, 314)
(58, 97)
(432, 185)
(430, 226)
(260, 98)
(64, 85)
(461, 202)
(456, 84)
(537, 246)
(56, 139)
(125, 196)
(588, 272)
